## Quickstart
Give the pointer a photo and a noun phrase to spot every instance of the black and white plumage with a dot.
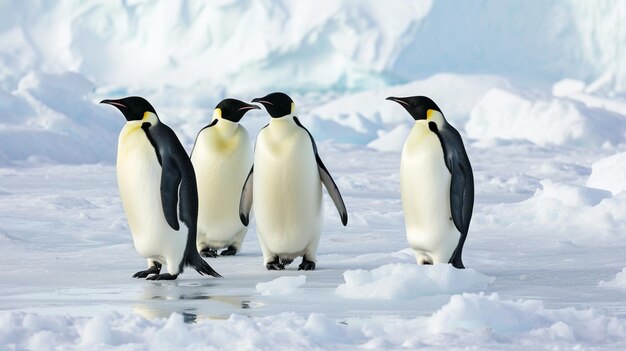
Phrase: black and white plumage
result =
(158, 190)
(285, 188)
(222, 157)
(437, 185)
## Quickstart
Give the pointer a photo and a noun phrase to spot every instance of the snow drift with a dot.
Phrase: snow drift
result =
(541, 119)
(487, 320)
(609, 173)
(50, 118)
(308, 45)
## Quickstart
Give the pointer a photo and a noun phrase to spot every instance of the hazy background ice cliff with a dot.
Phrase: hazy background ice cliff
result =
(477, 59)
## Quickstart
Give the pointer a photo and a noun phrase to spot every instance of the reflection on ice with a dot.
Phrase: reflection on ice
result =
(192, 300)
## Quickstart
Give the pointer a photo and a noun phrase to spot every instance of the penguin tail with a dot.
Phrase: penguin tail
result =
(456, 260)
(193, 259)
(204, 268)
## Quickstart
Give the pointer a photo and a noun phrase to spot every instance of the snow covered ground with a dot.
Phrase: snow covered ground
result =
(545, 256)
(540, 100)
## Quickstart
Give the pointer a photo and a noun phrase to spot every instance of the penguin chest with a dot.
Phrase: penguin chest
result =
(425, 187)
(222, 164)
(139, 181)
(287, 190)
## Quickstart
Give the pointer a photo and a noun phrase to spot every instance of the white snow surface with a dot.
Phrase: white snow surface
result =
(537, 90)
(486, 321)
(282, 286)
(609, 173)
(68, 257)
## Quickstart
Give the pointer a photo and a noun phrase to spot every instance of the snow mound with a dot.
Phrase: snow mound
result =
(290, 45)
(618, 282)
(488, 321)
(609, 173)
(543, 120)
(480, 311)
(393, 140)
(571, 195)
(408, 281)
(567, 87)
(281, 286)
(49, 119)
(562, 211)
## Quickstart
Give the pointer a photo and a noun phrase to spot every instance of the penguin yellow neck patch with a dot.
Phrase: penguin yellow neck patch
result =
(430, 114)
(149, 117)
(217, 113)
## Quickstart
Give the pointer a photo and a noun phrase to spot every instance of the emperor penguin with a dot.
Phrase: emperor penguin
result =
(436, 183)
(286, 186)
(158, 189)
(222, 157)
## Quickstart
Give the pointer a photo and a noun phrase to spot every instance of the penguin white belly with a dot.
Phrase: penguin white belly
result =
(139, 181)
(287, 191)
(425, 187)
(221, 164)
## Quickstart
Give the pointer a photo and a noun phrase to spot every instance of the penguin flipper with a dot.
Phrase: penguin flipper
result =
(170, 181)
(245, 202)
(332, 189)
(327, 179)
(170, 170)
(461, 184)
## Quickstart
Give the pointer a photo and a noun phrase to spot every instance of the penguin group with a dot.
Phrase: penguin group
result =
(182, 208)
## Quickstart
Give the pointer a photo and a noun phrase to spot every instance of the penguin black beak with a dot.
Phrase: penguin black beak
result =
(113, 103)
(261, 101)
(398, 100)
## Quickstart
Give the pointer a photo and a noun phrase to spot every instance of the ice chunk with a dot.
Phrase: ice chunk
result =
(408, 281)
(281, 286)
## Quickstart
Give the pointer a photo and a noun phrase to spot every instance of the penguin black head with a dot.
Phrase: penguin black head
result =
(277, 104)
(233, 109)
(133, 107)
(416, 106)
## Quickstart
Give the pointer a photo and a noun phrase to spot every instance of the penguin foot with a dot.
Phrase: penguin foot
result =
(275, 266)
(285, 261)
(231, 251)
(164, 276)
(306, 265)
(208, 253)
(156, 269)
